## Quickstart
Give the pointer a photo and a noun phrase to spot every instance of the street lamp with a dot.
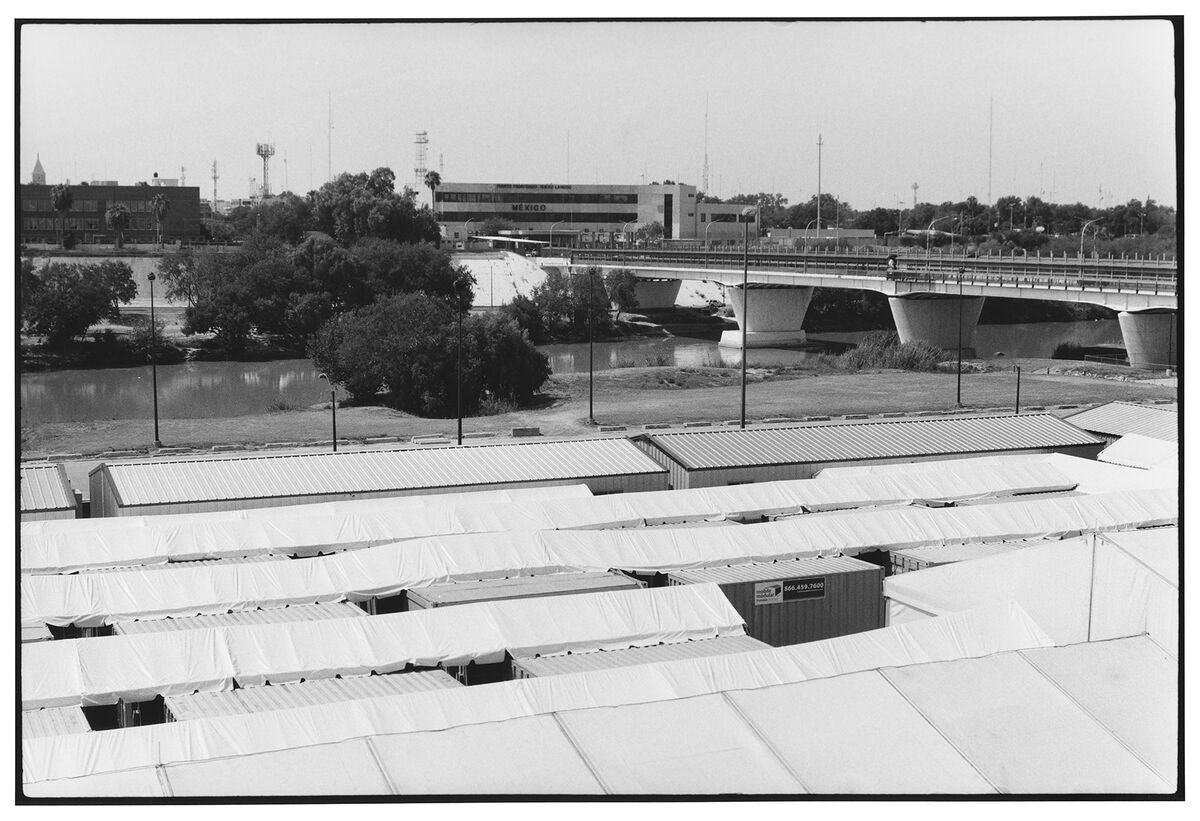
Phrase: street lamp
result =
(458, 310)
(706, 227)
(332, 406)
(958, 389)
(154, 360)
(746, 214)
(591, 274)
(1083, 230)
(560, 222)
(929, 236)
(810, 224)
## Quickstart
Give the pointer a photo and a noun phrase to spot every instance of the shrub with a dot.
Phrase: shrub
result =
(883, 349)
(1068, 350)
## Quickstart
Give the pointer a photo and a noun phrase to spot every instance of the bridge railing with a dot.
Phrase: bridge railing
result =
(1035, 272)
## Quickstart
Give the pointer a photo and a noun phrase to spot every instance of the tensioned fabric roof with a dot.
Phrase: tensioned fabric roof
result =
(1082, 589)
(1045, 720)
(978, 633)
(1123, 418)
(1143, 452)
(92, 599)
(309, 529)
(582, 662)
(276, 615)
(311, 474)
(708, 450)
(96, 671)
(45, 488)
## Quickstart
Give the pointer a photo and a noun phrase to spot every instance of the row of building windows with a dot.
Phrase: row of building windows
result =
(85, 206)
(722, 218)
(575, 199)
(565, 217)
(79, 224)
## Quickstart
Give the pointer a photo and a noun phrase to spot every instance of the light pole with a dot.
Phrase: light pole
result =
(467, 230)
(1011, 205)
(154, 360)
(591, 273)
(458, 310)
(1018, 408)
(1082, 231)
(929, 236)
(746, 214)
(560, 222)
(958, 374)
(706, 227)
(810, 224)
(332, 406)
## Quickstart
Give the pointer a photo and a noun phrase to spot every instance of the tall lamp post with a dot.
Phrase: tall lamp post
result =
(929, 236)
(154, 360)
(746, 214)
(591, 274)
(706, 227)
(458, 310)
(1082, 231)
(810, 225)
(958, 373)
(560, 222)
(332, 406)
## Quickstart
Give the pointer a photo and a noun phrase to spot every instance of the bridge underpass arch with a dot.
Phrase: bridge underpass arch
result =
(1150, 337)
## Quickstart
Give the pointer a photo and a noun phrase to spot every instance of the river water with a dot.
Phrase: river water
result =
(221, 389)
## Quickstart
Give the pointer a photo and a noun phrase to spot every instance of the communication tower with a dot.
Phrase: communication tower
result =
(266, 151)
(214, 175)
(422, 160)
(915, 186)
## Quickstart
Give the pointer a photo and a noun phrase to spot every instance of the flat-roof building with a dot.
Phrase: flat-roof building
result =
(85, 219)
(600, 213)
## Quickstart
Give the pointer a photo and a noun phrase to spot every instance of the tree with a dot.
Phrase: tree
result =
(69, 298)
(622, 289)
(432, 180)
(159, 205)
(61, 200)
(406, 346)
(117, 218)
(391, 267)
(354, 206)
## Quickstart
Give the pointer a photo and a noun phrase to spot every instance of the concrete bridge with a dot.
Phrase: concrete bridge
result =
(936, 298)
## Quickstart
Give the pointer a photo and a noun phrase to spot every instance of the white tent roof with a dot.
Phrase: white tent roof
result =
(1079, 590)
(982, 632)
(1137, 451)
(309, 529)
(136, 668)
(1101, 477)
(1017, 722)
(91, 599)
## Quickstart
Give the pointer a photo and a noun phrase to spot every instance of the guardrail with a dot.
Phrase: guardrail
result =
(1056, 273)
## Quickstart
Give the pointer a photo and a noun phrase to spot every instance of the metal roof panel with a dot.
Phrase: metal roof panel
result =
(606, 660)
(1121, 418)
(276, 615)
(45, 487)
(769, 571)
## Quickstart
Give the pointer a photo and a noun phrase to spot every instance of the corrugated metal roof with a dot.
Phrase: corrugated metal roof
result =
(45, 487)
(606, 660)
(276, 615)
(521, 587)
(53, 721)
(769, 571)
(308, 474)
(304, 694)
(1121, 418)
(705, 450)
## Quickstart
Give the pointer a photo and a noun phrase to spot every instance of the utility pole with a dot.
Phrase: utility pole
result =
(214, 175)
(819, 144)
(990, 121)
(329, 140)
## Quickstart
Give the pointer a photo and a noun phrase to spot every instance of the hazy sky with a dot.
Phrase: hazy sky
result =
(1079, 106)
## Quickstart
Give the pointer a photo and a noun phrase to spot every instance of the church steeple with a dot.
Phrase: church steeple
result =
(39, 173)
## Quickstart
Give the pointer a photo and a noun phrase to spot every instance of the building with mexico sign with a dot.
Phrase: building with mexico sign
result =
(586, 213)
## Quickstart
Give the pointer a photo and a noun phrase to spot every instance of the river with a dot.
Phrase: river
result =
(220, 389)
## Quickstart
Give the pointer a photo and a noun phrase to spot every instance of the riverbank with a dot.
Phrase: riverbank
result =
(627, 397)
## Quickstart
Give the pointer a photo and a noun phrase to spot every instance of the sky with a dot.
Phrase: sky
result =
(1073, 110)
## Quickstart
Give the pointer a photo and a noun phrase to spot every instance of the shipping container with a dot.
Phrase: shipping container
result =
(248, 700)
(711, 458)
(51, 721)
(798, 600)
(237, 618)
(919, 558)
(47, 494)
(606, 660)
(159, 486)
(519, 587)
(37, 632)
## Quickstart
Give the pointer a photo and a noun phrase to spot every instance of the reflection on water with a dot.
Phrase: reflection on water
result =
(219, 389)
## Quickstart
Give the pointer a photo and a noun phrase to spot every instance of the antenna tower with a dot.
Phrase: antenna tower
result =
(989, 199)
(704, 175)
(214, 178)
(915, 187)
(266, 151)
(820, 143)
(182, 177)
(422, 157)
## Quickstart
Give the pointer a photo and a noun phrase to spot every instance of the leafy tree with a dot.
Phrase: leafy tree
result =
(560, 307)
(159, 205)
(407, 346)
(391, 267)
(69, 298)
(354, 206)
(117, 219)
(61, 200)
(653, 231)
(622, 289)
(493, 227)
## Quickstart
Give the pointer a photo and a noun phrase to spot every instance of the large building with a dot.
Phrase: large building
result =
(85, 219)
(582, 213)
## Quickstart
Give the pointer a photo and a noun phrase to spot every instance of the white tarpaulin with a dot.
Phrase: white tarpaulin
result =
(1100, 477)
(93, 599)
(1137, 451)
(982, 632)
(138, 667)
(1083, 589)
(1058, 720)
(310, 529)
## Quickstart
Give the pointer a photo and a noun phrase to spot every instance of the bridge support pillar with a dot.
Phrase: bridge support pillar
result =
(1150, 338)
(657, 293)
(775, 316)
(935, 319)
